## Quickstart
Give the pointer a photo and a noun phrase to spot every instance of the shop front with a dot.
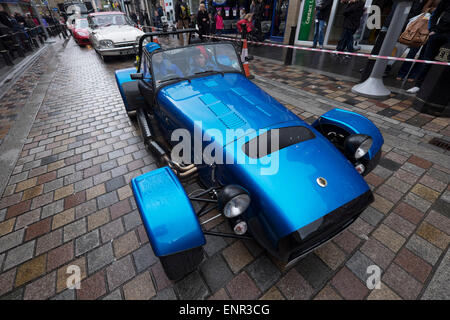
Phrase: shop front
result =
(365, 37)
(273, 22)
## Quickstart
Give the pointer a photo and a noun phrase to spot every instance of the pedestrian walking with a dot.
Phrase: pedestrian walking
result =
(418, 7)
(202, 21)
(182, 18)
(323, 8)
(219, 23)
(353, 10)
(439, 27)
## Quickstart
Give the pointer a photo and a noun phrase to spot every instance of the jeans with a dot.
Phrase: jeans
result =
(346, 41)
(319, 32)
(431, 50)
(406, 66)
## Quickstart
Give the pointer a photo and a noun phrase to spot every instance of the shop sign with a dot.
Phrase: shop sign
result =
(307, 20)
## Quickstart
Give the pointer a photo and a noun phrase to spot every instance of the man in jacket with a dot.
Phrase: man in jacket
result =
(439, 27)
(353, 11)
(182, 18)
(323, 8)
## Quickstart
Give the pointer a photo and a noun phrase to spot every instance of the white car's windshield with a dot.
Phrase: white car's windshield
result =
(81, 24)
(194, 60)
(110, 20)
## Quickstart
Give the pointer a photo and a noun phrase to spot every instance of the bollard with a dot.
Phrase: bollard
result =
(434, 96)
(290, 51)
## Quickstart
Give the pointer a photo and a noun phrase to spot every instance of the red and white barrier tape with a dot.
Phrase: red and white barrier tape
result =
(373, 56)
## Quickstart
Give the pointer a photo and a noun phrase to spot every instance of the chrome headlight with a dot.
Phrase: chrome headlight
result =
(363, 148)
(233, 201)
(106, 43)
(357, 145)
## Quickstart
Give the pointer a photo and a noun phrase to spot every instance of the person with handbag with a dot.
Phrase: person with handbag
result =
(439, 27)
(420, 9)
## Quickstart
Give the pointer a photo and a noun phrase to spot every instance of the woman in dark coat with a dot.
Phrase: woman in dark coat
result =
(353, 11)
(203, 20)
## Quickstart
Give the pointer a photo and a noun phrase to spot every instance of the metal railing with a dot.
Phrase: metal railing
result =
(18, 43)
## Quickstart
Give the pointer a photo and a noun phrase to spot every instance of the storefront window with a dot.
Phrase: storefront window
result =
(279, 18)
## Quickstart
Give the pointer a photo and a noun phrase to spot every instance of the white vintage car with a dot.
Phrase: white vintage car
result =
(113, 33)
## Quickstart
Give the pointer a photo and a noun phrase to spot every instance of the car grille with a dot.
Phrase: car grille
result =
(332, 224)
(124, 44)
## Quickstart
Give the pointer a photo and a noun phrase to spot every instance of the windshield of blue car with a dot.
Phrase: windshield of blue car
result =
(110, 20)
(194, 61)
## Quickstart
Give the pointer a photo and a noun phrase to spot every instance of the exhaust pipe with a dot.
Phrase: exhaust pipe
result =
(181, 171)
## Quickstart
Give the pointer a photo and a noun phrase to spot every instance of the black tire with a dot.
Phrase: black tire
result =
(106, 59)
(179, 265)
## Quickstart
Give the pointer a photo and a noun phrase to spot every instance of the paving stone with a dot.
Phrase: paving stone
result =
(63, 218)
(95, 191)
(166, 294)
(327, 293)
(42, 288)
(161, 279)
(439, 221)
(7, 226)
(219, 295)
(331, 255)
(401, 282)
(216, 273)
(400, 225)
(348, 285)
(111, 230)
(237, 256)
(114, 183)
(52, 208)
(294, 286)
(140, 288)
(359, 264)
(125, 244)
(420, 162)
(31, 270)
(378, 253)
(85, 209)
(120, 208)
(425, 192)
(100, 257)
(74, 229)
(192, 287)
(423, 249)
(87, 242)
(49, 241)
(59, 256)
(74, 200)
(92, 287)
(63, 192)
(442, 207)
(120, 272)
(271, 294)
(389, 237)
(438, 286)
(124, 192)
(37, 229)
(409, 212)
(7, 281)
(414, 265)
(115, 295)
(372, 216)
(314, 270)
(433, 235)
(62, 278)
(132, 220)
(389, 193)
(382, 172)
(398, 184)
(144, 257)
(98, 219)
(143, 238)
(347, 241)
(384, 293)
(18, 209)
(19, 255)
(68, 294)
(107, 200)
(413, 169)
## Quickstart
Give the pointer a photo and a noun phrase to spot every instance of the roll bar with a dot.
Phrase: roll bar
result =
(152, 34)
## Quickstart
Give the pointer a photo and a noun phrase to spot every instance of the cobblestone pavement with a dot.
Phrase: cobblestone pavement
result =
(68, 202)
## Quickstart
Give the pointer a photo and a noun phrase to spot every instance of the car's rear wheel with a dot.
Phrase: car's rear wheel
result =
(180, 264)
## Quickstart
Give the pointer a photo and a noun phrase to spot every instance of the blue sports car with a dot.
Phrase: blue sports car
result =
(289, 185)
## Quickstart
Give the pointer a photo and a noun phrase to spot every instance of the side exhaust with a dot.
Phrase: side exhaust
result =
(182, 171)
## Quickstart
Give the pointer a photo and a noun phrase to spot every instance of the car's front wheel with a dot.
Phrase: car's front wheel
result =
(179, 265)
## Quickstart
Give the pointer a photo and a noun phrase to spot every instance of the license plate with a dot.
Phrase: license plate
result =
(130, 51)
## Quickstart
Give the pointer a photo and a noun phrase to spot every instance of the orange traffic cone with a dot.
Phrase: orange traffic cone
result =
(244, 55)
(155, 38)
